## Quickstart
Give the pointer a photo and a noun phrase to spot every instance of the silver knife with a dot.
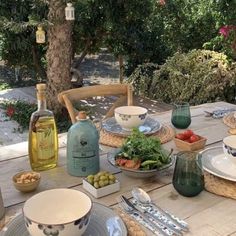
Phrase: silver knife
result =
(145, 213)
(171, 218)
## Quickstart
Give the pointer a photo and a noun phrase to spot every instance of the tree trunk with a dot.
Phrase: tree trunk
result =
(83, 54)
(38, 67)
(59, 53)
(121, 65)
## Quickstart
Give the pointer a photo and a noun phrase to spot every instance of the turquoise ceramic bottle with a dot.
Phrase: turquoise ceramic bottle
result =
(82, 147)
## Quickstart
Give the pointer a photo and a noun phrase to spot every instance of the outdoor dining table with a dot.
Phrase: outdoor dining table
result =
(206, 214)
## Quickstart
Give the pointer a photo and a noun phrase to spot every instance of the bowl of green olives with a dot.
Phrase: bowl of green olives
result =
(101, 184)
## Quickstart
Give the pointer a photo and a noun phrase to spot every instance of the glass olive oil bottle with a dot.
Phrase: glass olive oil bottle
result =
(43, 139)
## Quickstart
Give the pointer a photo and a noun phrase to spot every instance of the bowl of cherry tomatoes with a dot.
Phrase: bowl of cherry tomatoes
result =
(189, 141)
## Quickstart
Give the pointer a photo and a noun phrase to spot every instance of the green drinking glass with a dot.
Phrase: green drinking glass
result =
(188, 179)
(181, 117)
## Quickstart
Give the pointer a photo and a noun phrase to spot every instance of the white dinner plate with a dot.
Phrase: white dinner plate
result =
(149, 127)
(217, 163)
(103, 222)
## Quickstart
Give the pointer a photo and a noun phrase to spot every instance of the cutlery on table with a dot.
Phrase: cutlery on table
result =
(152, 218)
(219, 113)
(142, 197)
(141, 218)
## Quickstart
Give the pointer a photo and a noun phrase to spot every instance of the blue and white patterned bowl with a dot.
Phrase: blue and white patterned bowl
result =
(129, 117)
(229, 146)
(59, 212)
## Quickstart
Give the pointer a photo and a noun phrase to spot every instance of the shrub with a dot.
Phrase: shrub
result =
(20, 111)
(196, 77)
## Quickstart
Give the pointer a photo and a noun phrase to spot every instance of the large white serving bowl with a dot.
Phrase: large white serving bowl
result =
(62, 212)
(129, 117)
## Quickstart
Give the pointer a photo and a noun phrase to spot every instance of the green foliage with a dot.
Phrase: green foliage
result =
(141, 31)
(135, 32)
(20, 111)
(189, 24)
(142, 77)
(4, 86)
(224, 15)
(196, 77)
(18, 21)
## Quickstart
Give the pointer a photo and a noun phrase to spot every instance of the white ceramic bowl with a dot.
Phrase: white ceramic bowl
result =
(229, 146)
(129, 117)
(60, 212)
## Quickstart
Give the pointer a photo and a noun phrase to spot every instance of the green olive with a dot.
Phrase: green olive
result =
(90, 181)
(112, 177)
(105, 182)
(111, 182)
(96, 178)
(96, 185)
(103, 177)
(101, 183)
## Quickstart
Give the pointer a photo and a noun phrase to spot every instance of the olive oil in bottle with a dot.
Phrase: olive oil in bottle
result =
(43, 140)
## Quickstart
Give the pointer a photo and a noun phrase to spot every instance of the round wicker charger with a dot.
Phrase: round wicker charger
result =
(219, 186)
(166, 134)
(132, 226)
(230, 121)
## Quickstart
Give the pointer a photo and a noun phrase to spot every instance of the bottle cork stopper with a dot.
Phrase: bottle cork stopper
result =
(41, 86)
(82, 115)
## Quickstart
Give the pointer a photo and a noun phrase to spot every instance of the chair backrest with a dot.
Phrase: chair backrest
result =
(124, 91)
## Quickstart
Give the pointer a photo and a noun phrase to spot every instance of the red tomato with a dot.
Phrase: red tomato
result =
(121, 161)
(180, 136)
(132, 164)
(187, 140)
(188, 133)
(194, 138)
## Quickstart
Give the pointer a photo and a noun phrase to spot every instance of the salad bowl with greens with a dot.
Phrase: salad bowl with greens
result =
(141, 156)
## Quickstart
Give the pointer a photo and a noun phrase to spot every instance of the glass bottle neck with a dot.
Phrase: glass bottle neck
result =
(42, 105)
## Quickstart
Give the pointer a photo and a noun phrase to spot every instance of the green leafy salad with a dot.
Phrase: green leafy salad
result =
(142, 152)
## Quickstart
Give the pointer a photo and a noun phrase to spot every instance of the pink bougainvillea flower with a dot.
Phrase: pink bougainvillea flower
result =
(162, 2)
(225, 30)
(10, 111)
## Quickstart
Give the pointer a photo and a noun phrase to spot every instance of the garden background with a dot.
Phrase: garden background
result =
(170, 50)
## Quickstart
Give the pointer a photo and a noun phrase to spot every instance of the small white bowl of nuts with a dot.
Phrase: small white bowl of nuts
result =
(26, 181)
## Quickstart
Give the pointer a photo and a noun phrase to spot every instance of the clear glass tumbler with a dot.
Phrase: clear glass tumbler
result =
(181, 117)
(188, 179)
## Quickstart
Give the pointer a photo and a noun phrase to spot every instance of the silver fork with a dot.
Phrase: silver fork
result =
(134, 212)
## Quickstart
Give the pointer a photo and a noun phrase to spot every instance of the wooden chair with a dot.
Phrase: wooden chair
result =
(124, 91)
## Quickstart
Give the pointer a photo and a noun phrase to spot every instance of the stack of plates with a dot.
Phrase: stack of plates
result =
(217, 163)
(149, 127)
(103, 222)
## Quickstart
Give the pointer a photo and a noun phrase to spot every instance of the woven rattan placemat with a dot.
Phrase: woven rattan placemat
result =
(133, 227)
(230, 121)
(219, 186)
(165, 134)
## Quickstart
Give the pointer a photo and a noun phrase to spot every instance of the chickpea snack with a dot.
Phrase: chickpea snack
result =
(26, 181)
(101, 184)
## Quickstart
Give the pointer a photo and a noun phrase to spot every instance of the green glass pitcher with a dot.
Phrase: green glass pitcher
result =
(188, 179)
